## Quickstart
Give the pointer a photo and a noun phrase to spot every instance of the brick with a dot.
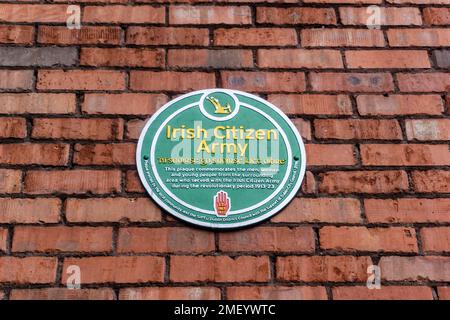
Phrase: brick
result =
(185, 14)
(85, 35)
(51, 154)
(346, 1)
(255, 37)
(163, 240)
(219, 269)
(80, 80)
(384, 293)
(89, 129)
(428, 129)
(442, 58)
(276, 293)
(134, 128)
(431, 181)
(16, 34)
(44, 56)
(436, 16)
(62, 294)
(419, 37)
(352, 82)
(45, 210)
(387, 59)
(341, 38)
(420, 1)
(415, 268)
(407, 210)
(33, 13)
(3, 239)
(16, 79)
(36, 270)
(118, 269)
(299, 58)
(309, 184)
(276, 239)
(388, 16)
(105, 154)
(435, 239)
(10, 181)
(62, 239)
(37, 103)
(357, 129)
(332, 210)
(203, 58)
(133, 183)
(170, 293)
(405, 155)
(123, 14)
(312, 104)
(13, 128)
(303, 127)
(72, 181)
(364, 181)
(391, 105)
(444, 293)
(112, 210)
(394, 239)
(337, 154)
(122, 57)
(423, 82)
(264, 81)
(295, 15)
(322, 268)
(168, 36)
(171, 81)
(123, 103)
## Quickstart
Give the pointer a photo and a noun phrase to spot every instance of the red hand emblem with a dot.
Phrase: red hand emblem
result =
(221, 203)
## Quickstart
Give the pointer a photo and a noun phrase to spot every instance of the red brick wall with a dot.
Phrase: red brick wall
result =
(371, 105)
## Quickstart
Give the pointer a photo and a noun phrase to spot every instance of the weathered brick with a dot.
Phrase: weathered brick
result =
(219, 269)
(384, 293)
(3, 239)
(43, 56)
(170, 80)
(415, 268)
(62, 239)
(322, 268)
(295, 15)
(364, 181)
(89, 129)
(387, 59)
(228, 58)
(105, 154)
(16, 79)
(332, 210)
(394, 239)
(170, 293)
(80, 80)
(13, 128)
(357, 129)
(173, 240)
(123, 14)
(16, 34)
(418, 37)
(10, 181)
(123, 57)
(36, 270)
(168, 36)
(133, 182)
(29, 210)
(388, 16)
(423, 82)
(276, 239)
(341, 38)
(118, 269)
(352, 82)
(264, 81)
(72, 181)
(42, 13)
(444, 293)
(369, 105)
(435, 239)
(62, 294)
(303, 127)
(55, 103)
(405, 155)
(407, 210)
(436, 16)
(85, 35)
(442, 58)
(428, 129)
(51, 154)
(337, 154)
(123, 103)
(185, 14)
(299, 58)
(112, 210)
(432, 181)
(255, 37)
(312, 104)
(276, 293)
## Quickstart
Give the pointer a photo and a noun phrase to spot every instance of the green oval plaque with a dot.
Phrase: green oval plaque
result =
(221, 158)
